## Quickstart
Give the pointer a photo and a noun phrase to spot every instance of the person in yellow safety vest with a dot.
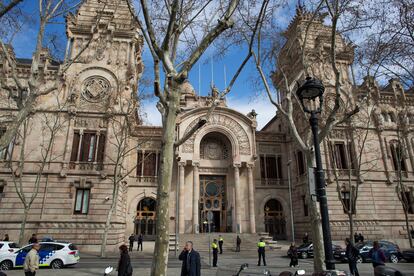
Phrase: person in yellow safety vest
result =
(214, 246)
(261, 247)
(221, 240)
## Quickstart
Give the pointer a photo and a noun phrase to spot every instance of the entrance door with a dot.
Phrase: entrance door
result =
(213, 198)
(145, 219)
(275, 222)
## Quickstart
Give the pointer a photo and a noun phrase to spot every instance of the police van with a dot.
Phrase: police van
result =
(51, 254)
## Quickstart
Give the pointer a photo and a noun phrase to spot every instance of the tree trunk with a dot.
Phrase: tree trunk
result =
(407, 225)
(316, 227)
(23, 225)
(161, 250)
(351, 227)
(108, 221)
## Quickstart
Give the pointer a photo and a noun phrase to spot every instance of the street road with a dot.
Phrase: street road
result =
(229, 263)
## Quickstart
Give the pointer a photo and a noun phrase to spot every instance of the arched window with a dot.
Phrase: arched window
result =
(215, 146)
(398, 156)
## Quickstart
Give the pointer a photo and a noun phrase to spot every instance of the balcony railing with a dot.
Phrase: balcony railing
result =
(86, 166)
(272, 182)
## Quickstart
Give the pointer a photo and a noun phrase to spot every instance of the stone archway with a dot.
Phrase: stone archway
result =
(275, 219)
(146, 218)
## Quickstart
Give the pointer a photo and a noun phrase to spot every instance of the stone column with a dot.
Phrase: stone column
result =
(196, 197)
(181, 166)
(251, 199)
(237, 197)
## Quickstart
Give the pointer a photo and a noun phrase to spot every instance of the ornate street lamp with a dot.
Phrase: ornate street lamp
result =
(310, 95)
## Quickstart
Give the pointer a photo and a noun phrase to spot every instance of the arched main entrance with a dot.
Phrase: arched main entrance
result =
(275, 221)
(145, 219)
(216, 148)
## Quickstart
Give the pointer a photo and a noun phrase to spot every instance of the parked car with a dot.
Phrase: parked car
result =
(51, 254)
(391, 250)
(408, 255)
(306, 250)
(8, 247)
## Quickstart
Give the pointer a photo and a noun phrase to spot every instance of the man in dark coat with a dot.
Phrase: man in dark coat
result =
(351, 254)
(140, 240)
(33, 239)
(238, 242)
(124, 263)
(131, 241)
(191, 261)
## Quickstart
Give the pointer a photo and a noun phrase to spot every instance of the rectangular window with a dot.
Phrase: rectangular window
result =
(342, 156)
(82, 201)
(407, 199)
(88, 147)
(271, 167)
(5, 153)
(305, 206)
(397, 157)
(300, 162)
(148, 163)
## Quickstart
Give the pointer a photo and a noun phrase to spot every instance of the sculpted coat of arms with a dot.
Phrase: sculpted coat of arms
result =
(96, 88)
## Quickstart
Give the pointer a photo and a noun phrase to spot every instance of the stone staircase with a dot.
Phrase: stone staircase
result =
(201, 241)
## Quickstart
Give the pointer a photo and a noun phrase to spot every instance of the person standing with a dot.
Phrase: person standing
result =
(214, 246)
(377, 255)
(356, 238)
(131, 241)
(293, 254)
(33, 239)
(124, 263)
(140, 241)
(351, 254)
(306, 239)
(221, 241)
(6, 237)
(191, 265)
(360, 238)
(261, 248)
(31, 262)
(238, 242)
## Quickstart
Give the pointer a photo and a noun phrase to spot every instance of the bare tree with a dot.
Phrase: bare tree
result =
(6, 7)
(286, 102)
(23, 93)
(26, 163)
(121, 147)
(349, 178)
(168, 28)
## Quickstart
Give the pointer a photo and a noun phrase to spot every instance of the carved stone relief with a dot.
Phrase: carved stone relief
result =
(228, 123)
(95, 88)
(266, 148)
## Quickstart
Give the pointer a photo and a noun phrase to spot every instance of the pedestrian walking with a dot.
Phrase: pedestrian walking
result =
(33, 239)
(351, 254)
(305, 239)
(261, 250)
(293, 254)
(214, 247)
(221, 241)
(356, 237)
(131, 241)
(6, 237)
(31, 262)
(238, 243)
(140, 240)
(124, 263)
(377, 255)
(191, 261)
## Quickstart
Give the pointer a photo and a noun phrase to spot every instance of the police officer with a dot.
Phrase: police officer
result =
(261, 250)
(221, 240)
(214, 246)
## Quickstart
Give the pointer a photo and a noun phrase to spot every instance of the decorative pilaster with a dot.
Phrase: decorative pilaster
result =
(196, 197)
(251, 198)
(237, 197)
(181, 166)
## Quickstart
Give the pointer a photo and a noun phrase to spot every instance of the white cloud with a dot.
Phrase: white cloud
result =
(151, 115)
(265, 110)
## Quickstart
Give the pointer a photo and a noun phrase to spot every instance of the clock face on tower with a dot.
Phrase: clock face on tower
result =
(95, 88)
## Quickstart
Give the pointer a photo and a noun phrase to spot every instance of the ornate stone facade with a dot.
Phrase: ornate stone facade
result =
(227, 167)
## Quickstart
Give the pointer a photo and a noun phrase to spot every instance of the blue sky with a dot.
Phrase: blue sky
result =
(244, 96)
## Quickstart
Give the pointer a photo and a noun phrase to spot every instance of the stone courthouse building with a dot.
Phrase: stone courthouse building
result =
(229, 167)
